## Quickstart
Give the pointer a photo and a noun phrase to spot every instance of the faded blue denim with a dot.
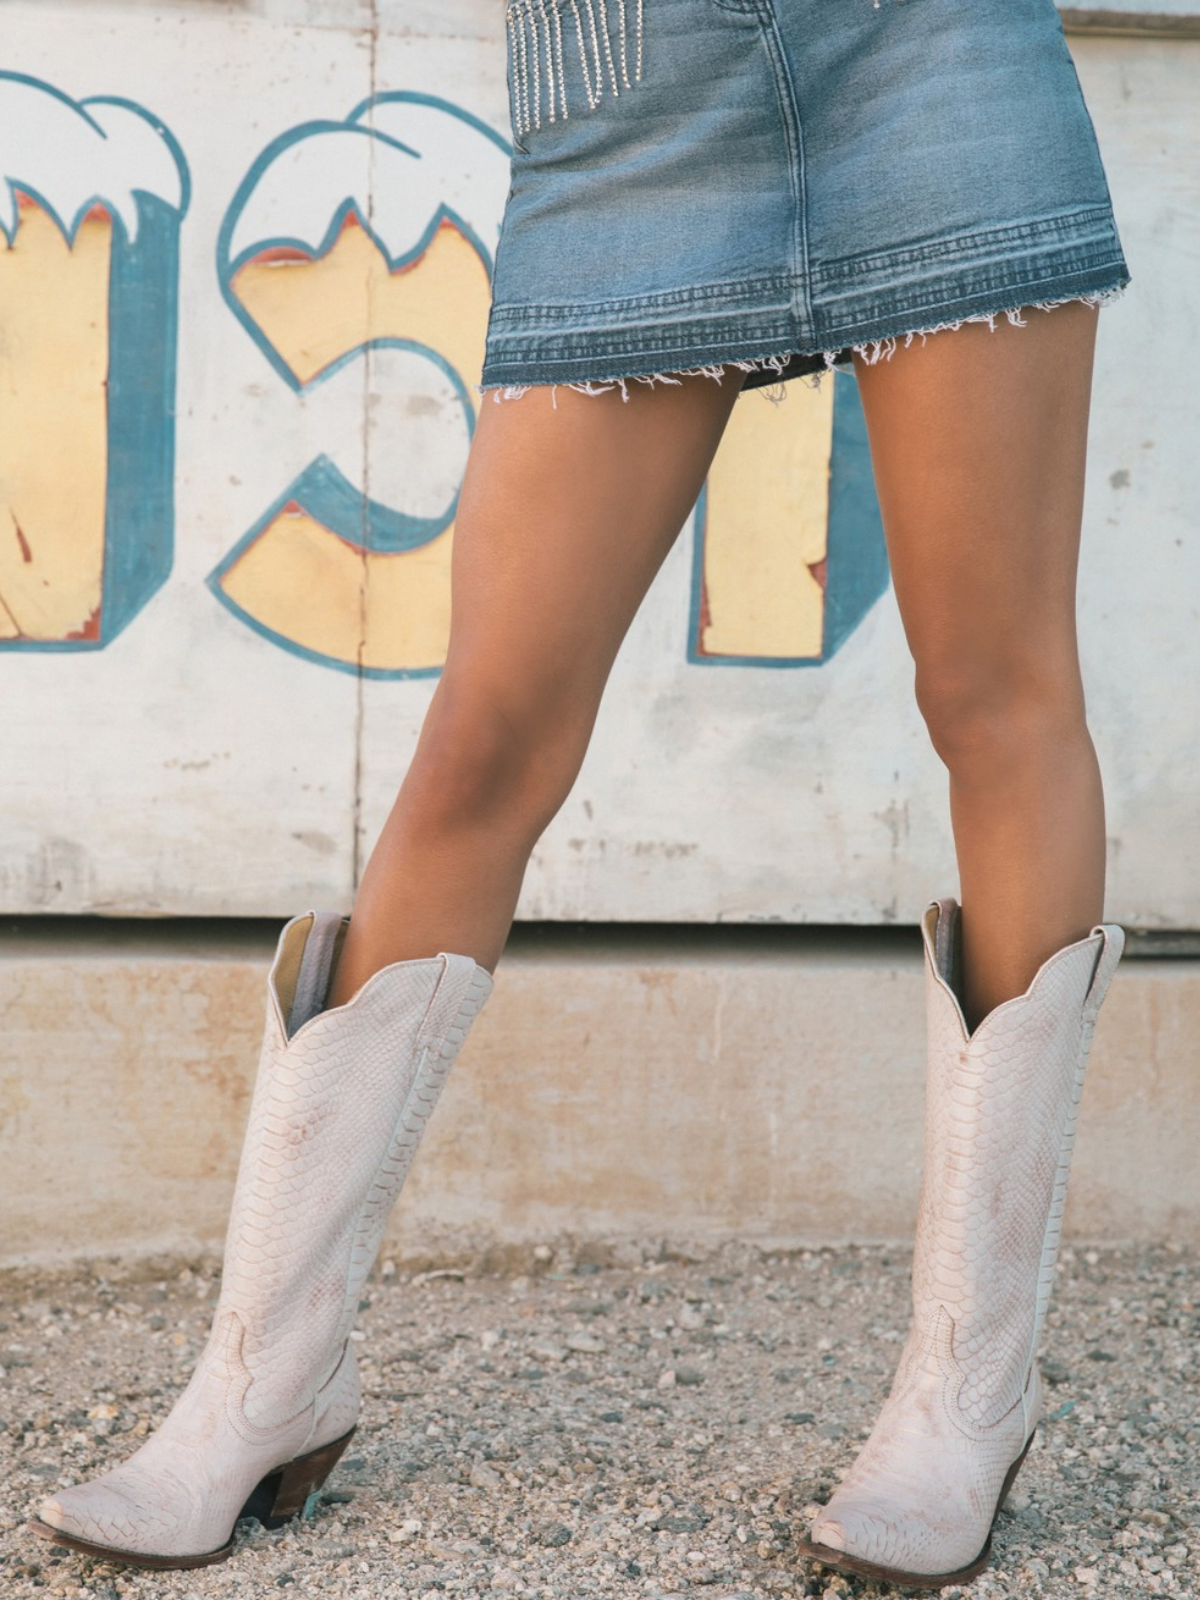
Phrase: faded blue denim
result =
(786, 181)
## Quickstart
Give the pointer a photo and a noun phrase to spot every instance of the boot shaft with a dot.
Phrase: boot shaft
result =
(1000, 1116)
(339, 1105)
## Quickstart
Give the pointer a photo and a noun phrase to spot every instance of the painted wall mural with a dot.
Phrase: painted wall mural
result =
(244, 268)
(348, 244)
(789, 552)
(92, 194)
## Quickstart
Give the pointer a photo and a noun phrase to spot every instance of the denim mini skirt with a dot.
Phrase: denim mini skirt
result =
(775, 184)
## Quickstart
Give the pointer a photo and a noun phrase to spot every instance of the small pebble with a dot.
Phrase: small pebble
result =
(584, 1344)
(484, 1477)
(653, 1288)
(548, 1350)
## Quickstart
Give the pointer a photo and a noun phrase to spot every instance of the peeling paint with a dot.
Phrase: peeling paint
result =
(22, 541)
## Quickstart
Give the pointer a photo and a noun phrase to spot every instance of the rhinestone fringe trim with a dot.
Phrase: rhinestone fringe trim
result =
(608, 37)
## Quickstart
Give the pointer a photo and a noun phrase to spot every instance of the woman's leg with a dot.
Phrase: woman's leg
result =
(565, 517)
(978, 440)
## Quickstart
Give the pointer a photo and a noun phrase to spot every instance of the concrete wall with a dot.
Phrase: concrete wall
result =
(689, 1086)
(220, 618)
(1169, 19)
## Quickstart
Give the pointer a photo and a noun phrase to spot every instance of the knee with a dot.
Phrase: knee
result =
(484, 759)
(985, 716)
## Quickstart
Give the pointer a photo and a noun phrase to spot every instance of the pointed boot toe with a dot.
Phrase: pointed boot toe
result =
(116, 1517)
(920, 1541)
(829, 1533)
(85, 1512)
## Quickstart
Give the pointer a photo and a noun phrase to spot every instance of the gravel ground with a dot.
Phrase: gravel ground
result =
(653, 1428)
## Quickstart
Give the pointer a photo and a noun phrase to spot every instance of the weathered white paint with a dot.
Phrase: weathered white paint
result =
(190, 767)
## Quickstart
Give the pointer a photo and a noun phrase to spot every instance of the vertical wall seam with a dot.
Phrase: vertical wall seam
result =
(356, 809)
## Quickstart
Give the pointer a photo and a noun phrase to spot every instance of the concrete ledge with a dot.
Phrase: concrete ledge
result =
(1127, 21)
(690, 1085)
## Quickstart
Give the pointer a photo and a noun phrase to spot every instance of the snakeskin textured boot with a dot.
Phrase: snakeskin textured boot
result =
(918, 1505)
(341, 1100)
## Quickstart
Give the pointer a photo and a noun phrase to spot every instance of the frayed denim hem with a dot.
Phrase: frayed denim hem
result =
(870, 352)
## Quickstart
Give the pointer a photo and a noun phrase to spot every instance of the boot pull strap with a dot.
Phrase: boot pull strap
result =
(1113, 937)
(316, 966)
(947, 944)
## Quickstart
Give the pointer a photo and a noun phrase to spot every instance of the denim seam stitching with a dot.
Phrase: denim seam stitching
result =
(793, 128)
(986, 277)
(1019, 291)
(826, 275)
(727, 293)
(705, 340)
(953, 246)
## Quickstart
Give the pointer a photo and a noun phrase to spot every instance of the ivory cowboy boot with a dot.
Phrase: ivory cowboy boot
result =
(340, 1103)
(918, 1505)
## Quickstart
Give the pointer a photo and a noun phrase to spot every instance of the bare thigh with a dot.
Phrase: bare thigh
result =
(569, 505)
(979, 442)
(566, 515)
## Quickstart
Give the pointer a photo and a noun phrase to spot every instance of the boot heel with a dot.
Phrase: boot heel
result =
(293, 1490)
(1011, 1476)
